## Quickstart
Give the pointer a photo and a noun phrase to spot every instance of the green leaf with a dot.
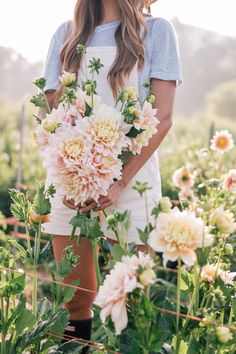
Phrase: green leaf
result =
(17, 284)
(201, 257)
(64, 268)
(20, 205)
(41, 205)
(17, 312)
(68, 293)
(117, 252)
(45, 252)
(111, 337)
(143, 235)
(25, 320)
(88, 110)
(133, 133)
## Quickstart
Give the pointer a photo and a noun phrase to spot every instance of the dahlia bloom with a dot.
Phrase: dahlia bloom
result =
(222, 141)
(147, 120)
(183, 178)
(106, 130)
(230, 180)
(210, 272)
(122, 280)
(223, 220)
(179, 234)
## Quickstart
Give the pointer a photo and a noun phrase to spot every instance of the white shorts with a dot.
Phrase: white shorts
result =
(129, 199)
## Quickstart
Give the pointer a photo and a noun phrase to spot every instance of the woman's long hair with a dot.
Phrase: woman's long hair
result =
(129, 38)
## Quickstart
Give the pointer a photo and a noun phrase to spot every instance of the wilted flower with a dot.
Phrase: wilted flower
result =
(179, 234)
(230, 180)
(183, 178)
(122, 280)
(223, 220)
(223, 334)
(222, 141)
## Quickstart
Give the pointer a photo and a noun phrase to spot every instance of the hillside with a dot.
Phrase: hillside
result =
(207, 59)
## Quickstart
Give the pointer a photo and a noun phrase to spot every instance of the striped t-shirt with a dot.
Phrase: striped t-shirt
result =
(161, 52)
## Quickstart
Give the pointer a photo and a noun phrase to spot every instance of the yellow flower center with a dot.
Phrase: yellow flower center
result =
(105, 131)
(73, 149)
(222, 142)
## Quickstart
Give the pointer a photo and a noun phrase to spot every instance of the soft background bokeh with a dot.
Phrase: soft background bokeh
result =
(206, 101)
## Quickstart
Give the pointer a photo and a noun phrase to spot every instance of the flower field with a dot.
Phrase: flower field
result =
(177, 298)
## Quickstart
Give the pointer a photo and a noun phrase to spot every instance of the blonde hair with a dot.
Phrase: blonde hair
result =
(129, 38)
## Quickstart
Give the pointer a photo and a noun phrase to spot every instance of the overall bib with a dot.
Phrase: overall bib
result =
(129, 198)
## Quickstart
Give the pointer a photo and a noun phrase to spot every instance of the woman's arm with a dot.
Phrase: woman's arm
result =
(165, 96)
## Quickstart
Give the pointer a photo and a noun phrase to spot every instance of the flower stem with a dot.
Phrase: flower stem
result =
(96, 263)
(178, 306)
(34, 291)
(74, 227)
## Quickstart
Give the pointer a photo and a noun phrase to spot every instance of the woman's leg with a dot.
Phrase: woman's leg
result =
(80, 307)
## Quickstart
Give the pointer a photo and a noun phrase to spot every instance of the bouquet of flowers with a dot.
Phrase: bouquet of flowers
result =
(83, 142)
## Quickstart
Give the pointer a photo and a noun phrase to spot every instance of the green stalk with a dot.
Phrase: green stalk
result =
(35, 267)
(193, 301)
(147, 211)
(96, 263)
(34, 291)
(92, 103)
(3, 344)
(28, 241)
(178, 339)
(74, 227)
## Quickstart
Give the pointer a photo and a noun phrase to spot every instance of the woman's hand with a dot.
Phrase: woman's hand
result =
(70, 203)
(105, 201)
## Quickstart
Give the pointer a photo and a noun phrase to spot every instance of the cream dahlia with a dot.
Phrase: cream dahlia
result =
(224, 220)
(179, 234)
(106, 130)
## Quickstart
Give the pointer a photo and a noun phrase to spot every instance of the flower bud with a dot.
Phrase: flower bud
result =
(80, 48)
(50, 127)
(147, 277)
(132, 94)
(223, 335)
(165, 204)
(151, 98)
(36, 218)
(111, 220)
(67, 79)
(228, 249)
(88, 88)
(124, 96)
(133, 110)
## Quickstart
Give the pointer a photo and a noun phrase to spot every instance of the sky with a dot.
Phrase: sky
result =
(27, 25)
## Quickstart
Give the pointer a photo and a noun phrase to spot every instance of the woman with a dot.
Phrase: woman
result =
(134, 49)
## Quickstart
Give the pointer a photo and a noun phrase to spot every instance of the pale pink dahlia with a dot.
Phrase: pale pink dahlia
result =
(179, 234)
(230, 180)
(122, 280)
(183, 178)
